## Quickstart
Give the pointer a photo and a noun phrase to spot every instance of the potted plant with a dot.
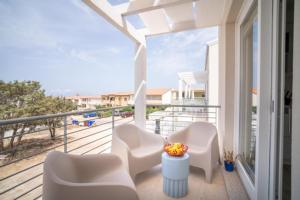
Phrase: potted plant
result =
(228, 161)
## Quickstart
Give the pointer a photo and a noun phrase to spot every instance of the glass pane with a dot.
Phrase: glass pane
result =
(250, 64)
(251, 157)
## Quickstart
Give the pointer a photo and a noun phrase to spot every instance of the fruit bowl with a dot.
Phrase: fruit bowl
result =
(176, 149)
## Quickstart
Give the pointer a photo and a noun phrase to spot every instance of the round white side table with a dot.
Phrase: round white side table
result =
(175, 171)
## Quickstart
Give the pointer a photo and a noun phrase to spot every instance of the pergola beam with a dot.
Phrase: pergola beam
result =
(103, 8)
(176, 27)
(136, 7)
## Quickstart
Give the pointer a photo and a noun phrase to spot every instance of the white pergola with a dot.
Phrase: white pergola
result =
(187, 79)
(159, 17)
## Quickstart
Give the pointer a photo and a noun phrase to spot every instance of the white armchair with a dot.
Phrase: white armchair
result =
(90, 177)
(140, 150)
(202, 140)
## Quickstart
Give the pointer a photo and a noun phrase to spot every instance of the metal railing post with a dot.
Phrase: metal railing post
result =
(113, 118)
(157, 126)
(173, 125)
(217, 110)
(65, 135)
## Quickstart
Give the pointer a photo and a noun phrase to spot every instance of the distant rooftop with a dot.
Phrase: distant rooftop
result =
(151, 91)
(84, 97)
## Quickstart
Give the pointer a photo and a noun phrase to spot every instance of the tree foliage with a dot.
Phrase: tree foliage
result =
(25, 99)
(54, 105)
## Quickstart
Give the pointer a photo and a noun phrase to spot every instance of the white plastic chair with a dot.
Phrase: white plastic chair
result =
(202, 140)
(140, 150)
(90, 177)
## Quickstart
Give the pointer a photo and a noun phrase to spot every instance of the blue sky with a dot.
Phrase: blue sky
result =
(70, 49)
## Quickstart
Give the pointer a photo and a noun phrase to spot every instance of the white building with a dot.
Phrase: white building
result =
(208, 78)
(165, 96)
(86, 102)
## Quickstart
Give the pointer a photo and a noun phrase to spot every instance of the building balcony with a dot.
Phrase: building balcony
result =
(22, 164)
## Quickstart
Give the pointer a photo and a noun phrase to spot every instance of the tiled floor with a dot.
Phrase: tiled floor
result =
(149, 185)
(234, 186)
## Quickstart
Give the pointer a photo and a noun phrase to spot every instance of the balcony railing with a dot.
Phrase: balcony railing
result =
(21, 163)
(171, 118)
(190, 101)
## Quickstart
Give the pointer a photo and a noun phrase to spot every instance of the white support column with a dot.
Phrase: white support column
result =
(193, 94)
(186, 91)
(140, 76)
(190, 91)
(180, 85)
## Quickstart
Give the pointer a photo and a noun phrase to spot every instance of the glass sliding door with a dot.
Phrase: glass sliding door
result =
(249, 93)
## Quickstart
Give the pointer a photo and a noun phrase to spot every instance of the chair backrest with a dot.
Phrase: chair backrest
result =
(200, 133)
(128, 133)
(60, 165)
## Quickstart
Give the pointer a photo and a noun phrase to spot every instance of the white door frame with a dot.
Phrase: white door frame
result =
(244, 13)
(265, 16)
(278, 37)
(296, 106)
(260, 188)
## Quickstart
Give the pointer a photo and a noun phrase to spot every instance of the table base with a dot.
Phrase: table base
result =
(175, 188)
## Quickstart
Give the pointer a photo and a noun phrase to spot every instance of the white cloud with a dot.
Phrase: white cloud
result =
(182, 51)
(25, 32)
(183, 40)
(88, 55)
(83, 7)
(59, 92)
(113, 50)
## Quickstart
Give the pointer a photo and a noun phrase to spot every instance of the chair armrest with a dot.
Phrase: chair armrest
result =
(121, 149)
(212, 150)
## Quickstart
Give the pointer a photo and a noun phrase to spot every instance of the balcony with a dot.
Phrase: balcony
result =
(22, 165)
(258, 48)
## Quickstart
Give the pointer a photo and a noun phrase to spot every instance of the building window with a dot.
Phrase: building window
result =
(249, 95)
(153, 97)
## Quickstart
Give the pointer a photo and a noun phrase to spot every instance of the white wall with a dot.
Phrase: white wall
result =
(93, 102)
(222, 87)
(296, 107)
(227, 81)
(229, 85)
(212, 66)
(167, 97)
